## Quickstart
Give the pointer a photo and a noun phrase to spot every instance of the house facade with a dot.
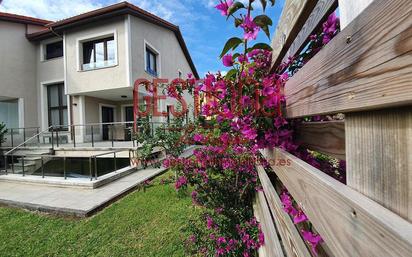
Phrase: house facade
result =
(81, 70)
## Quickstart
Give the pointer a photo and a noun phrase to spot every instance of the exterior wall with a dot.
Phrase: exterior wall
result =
(171, 57)
(48, 72)
(18, 70)
(79, 81)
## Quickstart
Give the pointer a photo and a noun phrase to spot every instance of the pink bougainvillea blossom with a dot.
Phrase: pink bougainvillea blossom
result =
(224, 6)
(312, 239)
(250, 28)
(198, 137)
(299, 217)
(228, 60)
(330, 28)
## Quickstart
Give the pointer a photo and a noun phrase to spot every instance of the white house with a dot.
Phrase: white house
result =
(81, 70)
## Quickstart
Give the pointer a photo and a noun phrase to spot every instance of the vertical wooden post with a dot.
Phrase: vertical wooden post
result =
(379, 145)
(379, 157)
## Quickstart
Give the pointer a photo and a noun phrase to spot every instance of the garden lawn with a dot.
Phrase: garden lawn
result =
(149, 223)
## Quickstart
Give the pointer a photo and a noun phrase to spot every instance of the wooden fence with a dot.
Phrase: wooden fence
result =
(365, 72)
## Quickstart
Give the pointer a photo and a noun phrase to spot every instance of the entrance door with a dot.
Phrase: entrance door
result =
(107, 117)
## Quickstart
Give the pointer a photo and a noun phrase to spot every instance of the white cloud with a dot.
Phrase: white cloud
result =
(176, 11)
(49, 9)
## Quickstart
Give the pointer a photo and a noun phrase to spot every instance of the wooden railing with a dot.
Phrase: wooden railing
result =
(365, 72)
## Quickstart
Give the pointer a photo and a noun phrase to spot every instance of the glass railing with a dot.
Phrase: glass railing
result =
(16, 136)
(80, 167)
(98, 65)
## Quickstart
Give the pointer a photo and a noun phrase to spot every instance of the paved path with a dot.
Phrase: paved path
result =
(70, 201)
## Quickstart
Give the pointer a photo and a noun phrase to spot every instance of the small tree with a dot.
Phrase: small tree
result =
(3, 131)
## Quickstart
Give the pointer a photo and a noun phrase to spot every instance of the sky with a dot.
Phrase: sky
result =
(204, 29)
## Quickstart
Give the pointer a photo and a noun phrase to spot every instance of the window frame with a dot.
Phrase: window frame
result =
(148, 48)
(93, 37)
(44, 56)
(60, 107)
(94, 43)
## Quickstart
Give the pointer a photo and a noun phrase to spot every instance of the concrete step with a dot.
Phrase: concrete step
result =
(26, 164)
(31, 158)
(32, 151)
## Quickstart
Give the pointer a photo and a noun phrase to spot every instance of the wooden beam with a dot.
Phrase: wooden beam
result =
(350, 223)
(366, 66)
(292, 241)
(293, 17)
(319, 14)
(272, 246)
(379, 162)
(327, 137)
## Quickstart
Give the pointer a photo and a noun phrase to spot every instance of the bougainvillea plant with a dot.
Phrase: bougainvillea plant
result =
(244, 114)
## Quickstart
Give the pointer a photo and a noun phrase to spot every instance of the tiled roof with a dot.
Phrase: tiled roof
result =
(23, 19)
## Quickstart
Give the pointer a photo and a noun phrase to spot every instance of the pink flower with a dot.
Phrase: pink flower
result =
(329, 28)
(198, 138)
(279, 122)
(261, 238)
(268, 90)
(221, 240)
(300, 217)
(227, 60)
(249, 132)
(209, 222)
(224, 138)
(312, 239)
(181, 181)
(243, 58)
(250, 28)
(224, 7)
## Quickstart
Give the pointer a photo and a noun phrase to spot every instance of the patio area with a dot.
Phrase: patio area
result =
(71, 201)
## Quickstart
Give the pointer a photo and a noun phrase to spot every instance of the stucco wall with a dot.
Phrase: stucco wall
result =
(18, 69)
(79, 81)
(48, 72)
(171, 56)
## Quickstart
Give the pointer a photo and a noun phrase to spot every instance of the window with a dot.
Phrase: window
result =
(54, 50)
(129, 115)
(99, 53)
(151, 62)
(9, 113)
(57, 106)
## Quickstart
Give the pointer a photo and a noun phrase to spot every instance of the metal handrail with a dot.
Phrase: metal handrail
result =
(24, 128)
(24, 143)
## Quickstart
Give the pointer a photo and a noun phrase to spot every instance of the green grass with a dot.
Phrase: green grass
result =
(146, 223)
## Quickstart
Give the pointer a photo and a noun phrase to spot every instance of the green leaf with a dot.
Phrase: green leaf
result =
(262, 46)
(264, 3)
(234, 8)
(238, 22)
(236, 55)
(232, 43)
(262, 20)
(230, 73)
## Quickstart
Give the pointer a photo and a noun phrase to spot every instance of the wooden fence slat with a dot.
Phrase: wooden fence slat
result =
(293, 17)
(367, 66)
(350, 223)
(320, 13)
(292, 241)
(327, 137)
(272, 246)
(380, 159)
